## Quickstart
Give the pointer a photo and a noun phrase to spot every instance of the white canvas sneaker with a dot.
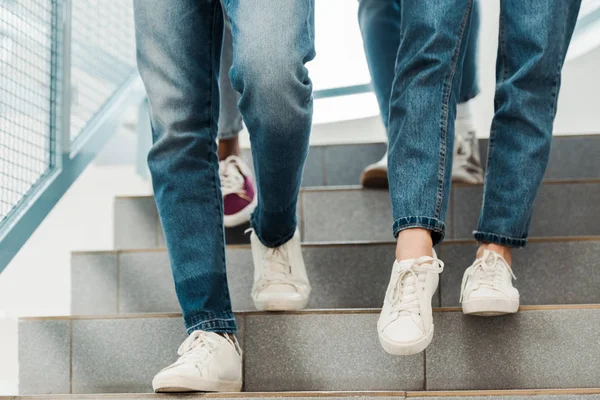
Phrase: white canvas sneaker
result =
(209, 362)
(466, 166)
(405, 325)
(487, 288)
(376, 175)
(280, 280)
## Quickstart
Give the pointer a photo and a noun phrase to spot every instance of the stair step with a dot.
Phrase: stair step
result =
(540, 347)
(136, 281)
(342, 164)
(544, 394)
(354, 214)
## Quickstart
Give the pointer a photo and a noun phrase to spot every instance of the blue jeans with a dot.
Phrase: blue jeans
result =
(533, 40)
(179, 47)
(230, 119)
(380, 27)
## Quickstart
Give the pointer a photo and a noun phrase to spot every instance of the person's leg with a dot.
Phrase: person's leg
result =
(230, 118)
(237, 183)
(270, 47)
(466, 166)
(380, 27)
(178, 47)
(533, 41)
(421, 128)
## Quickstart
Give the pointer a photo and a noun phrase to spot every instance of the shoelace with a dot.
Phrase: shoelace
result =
(486, 275)
(405, 295)
(196, 348)
(231, 178)
(463, 147)
(277, 270)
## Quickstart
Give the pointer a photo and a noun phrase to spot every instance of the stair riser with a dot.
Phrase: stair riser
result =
(565, 209)
(342, 276)
(313, 396)
(342, 165)
(331, 351)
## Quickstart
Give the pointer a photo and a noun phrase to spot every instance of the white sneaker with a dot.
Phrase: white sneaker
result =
(466, 166)
(239, 194)
(376, 175)
(209, 362)
(405, 325)
(280, 280)
(487, 288)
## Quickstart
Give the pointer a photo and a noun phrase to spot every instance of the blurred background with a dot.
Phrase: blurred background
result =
(74, 129)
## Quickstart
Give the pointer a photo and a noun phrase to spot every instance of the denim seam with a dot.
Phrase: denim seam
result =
(216, 188)
(219, 324)
(229, 134)
(280, 240)
(446, 95)
(415, 221)
(488, 237)
(502, 49)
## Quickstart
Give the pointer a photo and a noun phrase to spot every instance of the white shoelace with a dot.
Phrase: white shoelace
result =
(196, 348)
(232, 180)
(406, 296)
(487, 275)
(463, 147)
(277, 270)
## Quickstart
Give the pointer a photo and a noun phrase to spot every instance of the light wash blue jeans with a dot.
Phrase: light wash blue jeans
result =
(230, 118)
(533, 40)
(179, 48)
(379, 22)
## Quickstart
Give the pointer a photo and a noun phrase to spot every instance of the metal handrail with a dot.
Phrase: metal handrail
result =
(68, 158)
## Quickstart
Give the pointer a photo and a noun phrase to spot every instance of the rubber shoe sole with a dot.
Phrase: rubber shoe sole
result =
(405, 349)
(242, 216)
(490, 307)
(280, 305)
(376, 178)
(179, 384)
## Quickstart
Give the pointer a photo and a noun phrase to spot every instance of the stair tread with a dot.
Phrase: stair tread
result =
(340, 311)
(322, 394)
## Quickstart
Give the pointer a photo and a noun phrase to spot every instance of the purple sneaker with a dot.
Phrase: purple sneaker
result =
(239, 197)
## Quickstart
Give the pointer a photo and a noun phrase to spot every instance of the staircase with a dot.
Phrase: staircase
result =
(125, 324)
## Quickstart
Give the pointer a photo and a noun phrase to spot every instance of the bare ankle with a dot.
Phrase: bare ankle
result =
(504, 251)
(228, 147)
(414, 243)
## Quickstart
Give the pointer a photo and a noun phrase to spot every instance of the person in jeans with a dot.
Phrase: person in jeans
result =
(237, 184)
(179, 47)
(381, 31)
(533, 40)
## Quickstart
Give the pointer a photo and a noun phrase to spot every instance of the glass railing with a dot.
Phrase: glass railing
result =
(28, 94)
(67, 70)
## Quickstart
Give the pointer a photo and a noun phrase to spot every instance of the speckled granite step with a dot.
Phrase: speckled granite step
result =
(540, 347)
(544, 394)
(354, 214)
(136, 281)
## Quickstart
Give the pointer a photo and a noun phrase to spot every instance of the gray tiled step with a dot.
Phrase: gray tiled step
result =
(342, 164)
(539, 347)
(342, 276)
(354, 214)
(546, 394)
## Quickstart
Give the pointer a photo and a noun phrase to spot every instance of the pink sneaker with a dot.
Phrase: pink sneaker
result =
(239, 197)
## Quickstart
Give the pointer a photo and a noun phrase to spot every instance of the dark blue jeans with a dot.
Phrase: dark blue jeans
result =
(380, 27)
(179, 48)
(533, 40)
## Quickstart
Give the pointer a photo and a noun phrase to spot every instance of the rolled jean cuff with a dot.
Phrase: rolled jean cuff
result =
(437, 227)
(280, 225)
(486, 237)
(229, 134)
(470, 96)
(223, 322)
